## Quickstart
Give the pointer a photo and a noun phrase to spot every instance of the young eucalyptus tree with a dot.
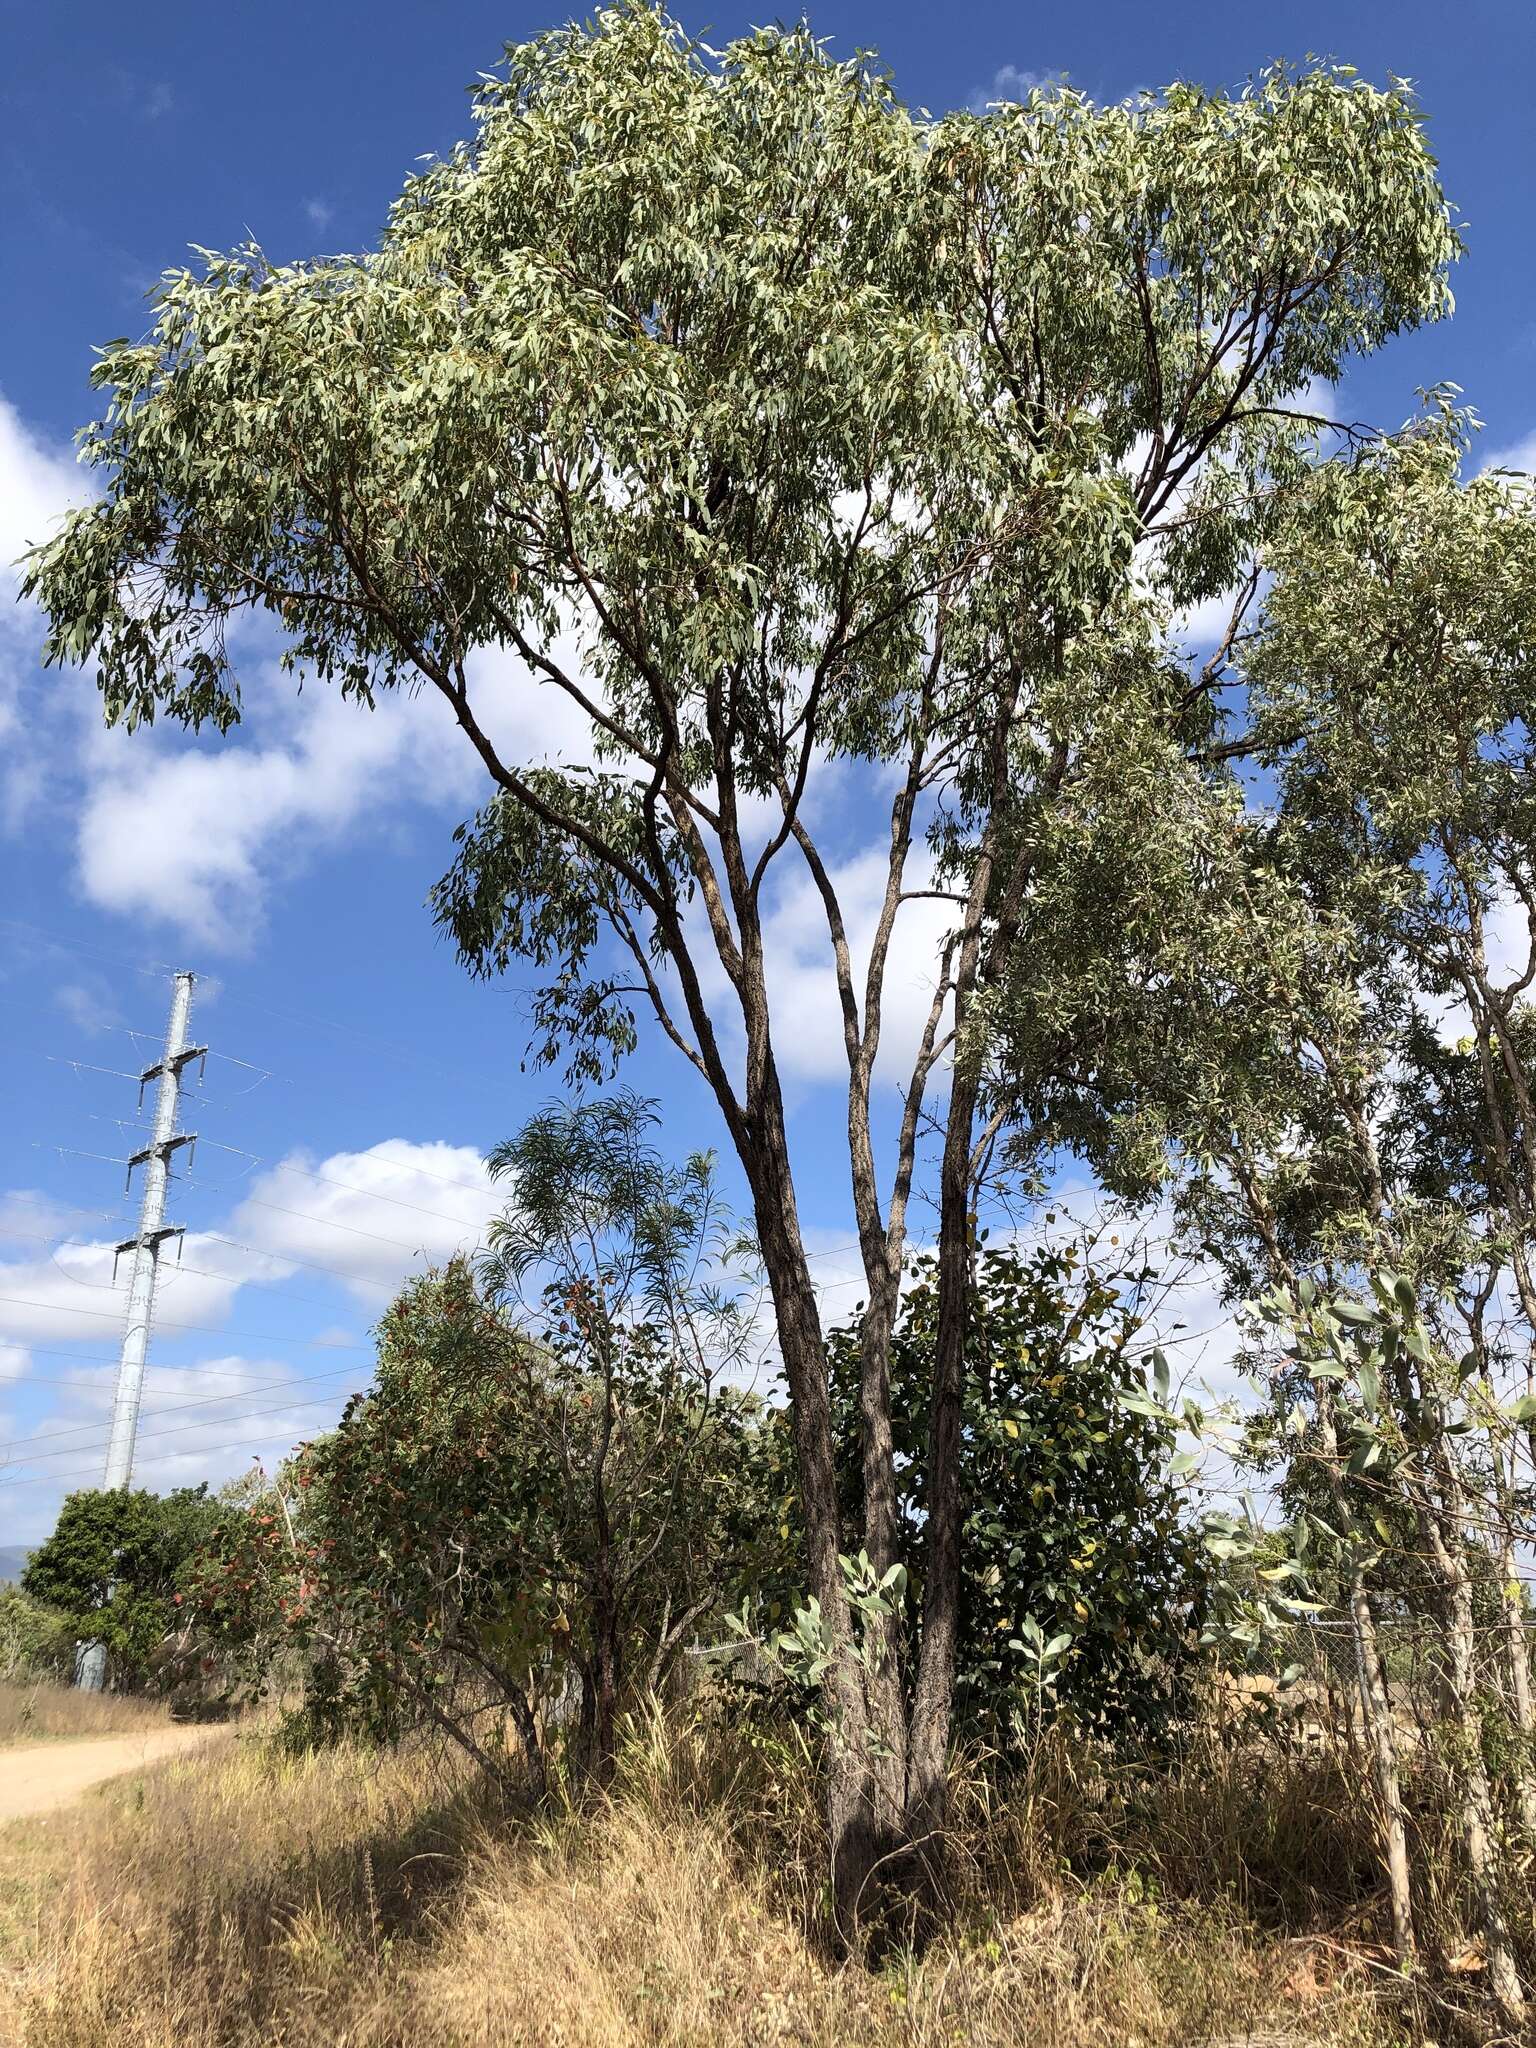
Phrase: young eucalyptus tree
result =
(623, 1265)
(763, 427)
(1286, 1035)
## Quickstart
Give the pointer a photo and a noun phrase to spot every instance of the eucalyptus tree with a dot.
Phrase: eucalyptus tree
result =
(1400, 723)
(1395, 684)
(1284, 1034)
(762, 426)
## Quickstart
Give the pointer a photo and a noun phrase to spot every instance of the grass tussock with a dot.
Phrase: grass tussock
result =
(244, 1897)
(41, 1711)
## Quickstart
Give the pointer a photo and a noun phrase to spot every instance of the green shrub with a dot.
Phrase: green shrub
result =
(36, 1641)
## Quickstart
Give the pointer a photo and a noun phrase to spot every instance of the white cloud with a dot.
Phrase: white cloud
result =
(87, 1008)
(807, 1017)
(375, 1216)
(38, 485)
(197, 835)
(71, 1292)
(1507, 943)
(318, 213)
(27, 1214)
(1520, 455)
(527, 718)
(204, 1423)
(371, 1218)
(1010, 83)
(1201, 627)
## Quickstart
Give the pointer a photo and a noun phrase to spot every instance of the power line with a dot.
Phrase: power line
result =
(73, 1429)
(293, 1259)
(330, 1223)
(212, 1450)
(56, 1059)
(226, 992)
(235, 1280)
(198, 1372)
(162, 1323)
(57, 945)
(229, 993)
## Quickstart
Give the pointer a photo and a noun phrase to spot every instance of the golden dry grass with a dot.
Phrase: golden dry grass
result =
(42, 1711)
(375, 1900)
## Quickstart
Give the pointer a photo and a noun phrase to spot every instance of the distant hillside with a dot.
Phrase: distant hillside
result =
(11, 1562)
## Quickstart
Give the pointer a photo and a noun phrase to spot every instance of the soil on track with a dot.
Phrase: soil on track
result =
(40, 1777)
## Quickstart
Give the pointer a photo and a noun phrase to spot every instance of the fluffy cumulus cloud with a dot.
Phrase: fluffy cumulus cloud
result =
(1518, 455)
(199, 833)
(72, 1288)
(344, 1228)
(38, 485)
(196, 833)
(375, 1216)
(807, 1015)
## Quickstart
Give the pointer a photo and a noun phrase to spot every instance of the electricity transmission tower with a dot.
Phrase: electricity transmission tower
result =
(153, 1232)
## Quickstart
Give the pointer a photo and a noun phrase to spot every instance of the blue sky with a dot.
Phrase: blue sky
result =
(290, 867)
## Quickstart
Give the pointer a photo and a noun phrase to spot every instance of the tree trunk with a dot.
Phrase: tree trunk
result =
(866, 1840)
(1477, 1814)
(528, 1735)
(606, 1676)
(1517, 1653)
(885, 1699)
(933, 1698)
(1518, 1657)
(1376, 1711)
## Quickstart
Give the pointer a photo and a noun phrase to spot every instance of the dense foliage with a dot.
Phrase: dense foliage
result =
(499, 1514)
(114, 1564)
(1083, 1576)
(35, 1641)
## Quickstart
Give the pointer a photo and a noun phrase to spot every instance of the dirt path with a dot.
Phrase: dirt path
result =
(44, 1775)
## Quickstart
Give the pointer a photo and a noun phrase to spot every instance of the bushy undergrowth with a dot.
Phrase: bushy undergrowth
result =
(248, 1897)
(35, 1641)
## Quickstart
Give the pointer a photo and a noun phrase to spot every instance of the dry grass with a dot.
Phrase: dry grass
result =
(42, 1711)
(246, 1898)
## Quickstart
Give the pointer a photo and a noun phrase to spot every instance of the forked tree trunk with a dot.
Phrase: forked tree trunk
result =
(866, 1842)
